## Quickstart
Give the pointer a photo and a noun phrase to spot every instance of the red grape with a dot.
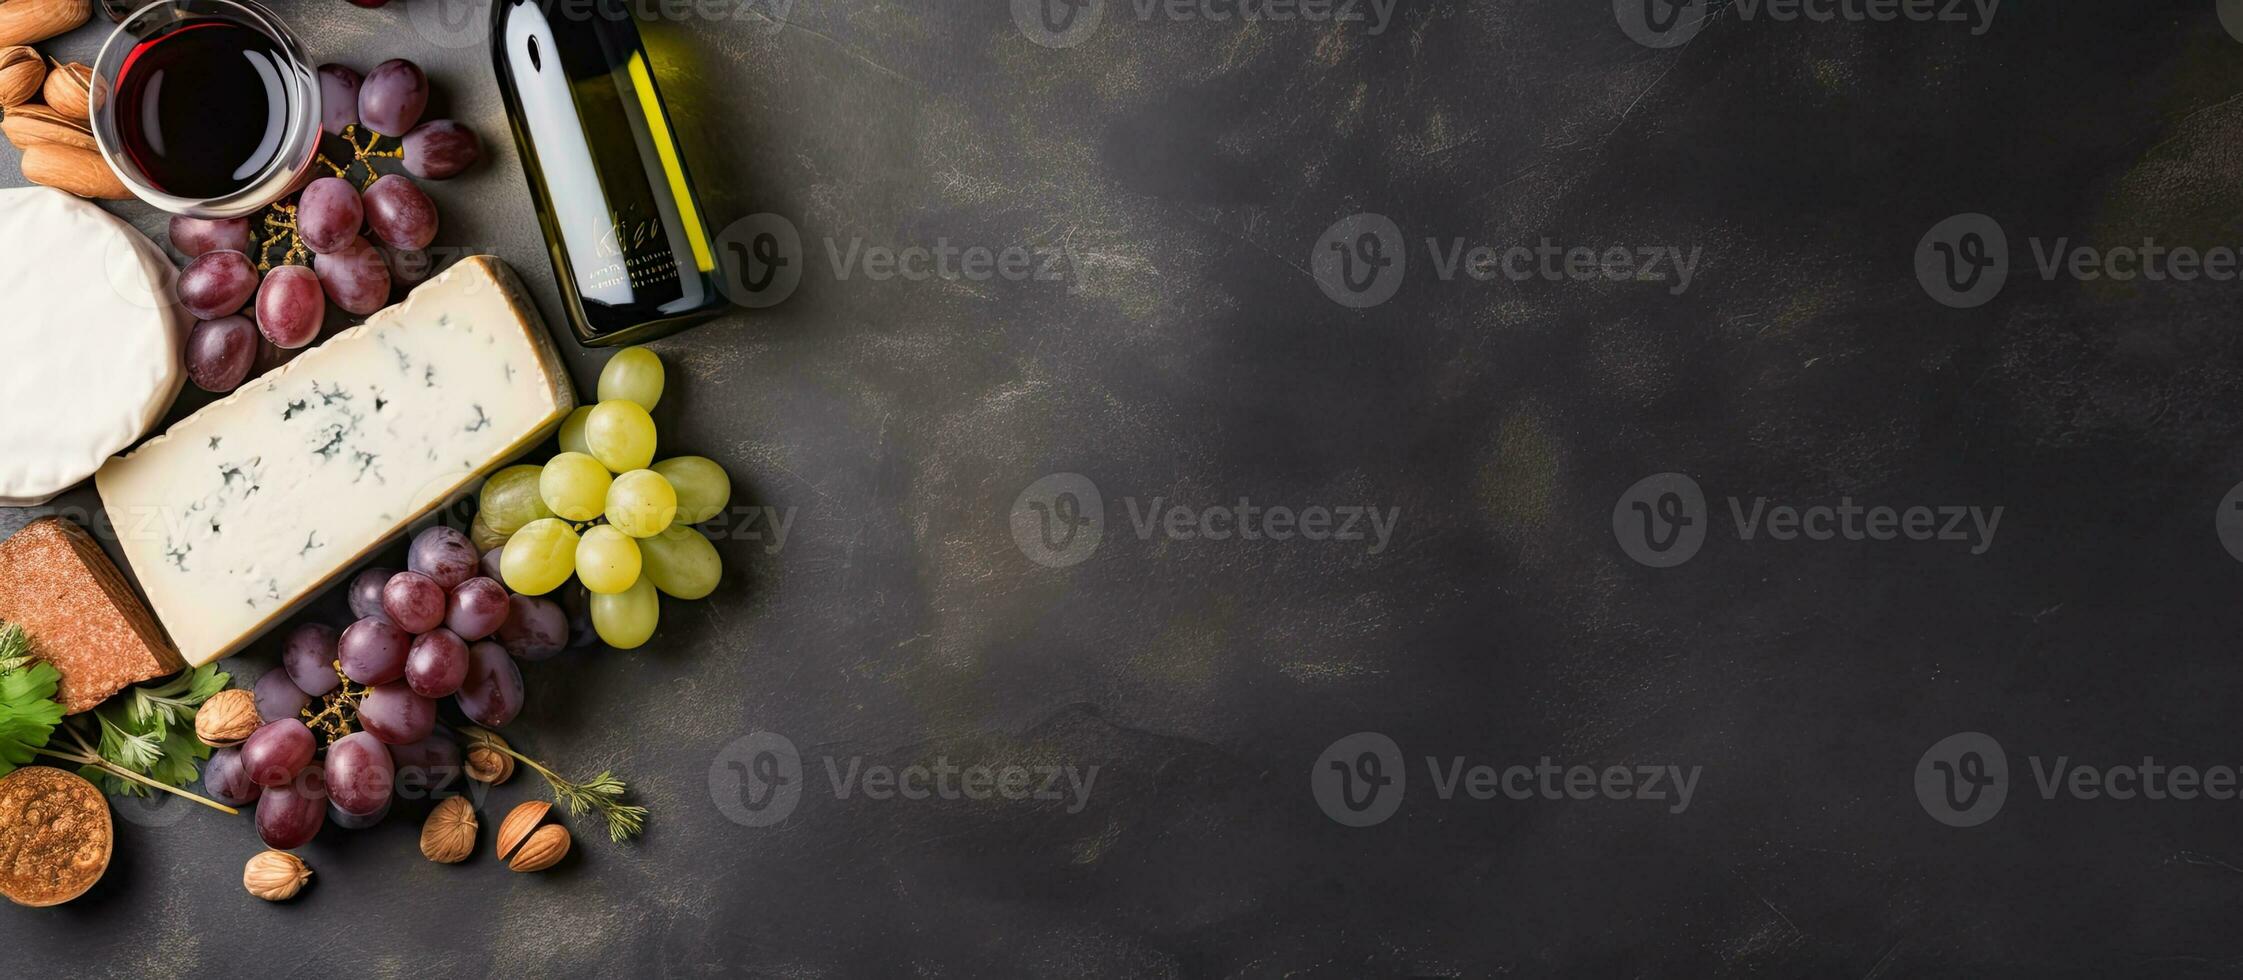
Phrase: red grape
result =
(276, 751)
(366, 593)
(290, 815)
(427, 767)
(278, 697)
(477, 608)
(329, 214)
(359, 774)
(395, 715)
(224, 780)
(350, 821)
(535, 628)
(220, 353)
(400, 214)
(338, 98)
(490, 566)
(354, 277)
(290, 306)
(373, 651)
(309, 657)
(414, 602)
(195, 236)
(440, 149)
(437, 663)
(217, 283)
(392, 97)
(444, 554)
(492, 693)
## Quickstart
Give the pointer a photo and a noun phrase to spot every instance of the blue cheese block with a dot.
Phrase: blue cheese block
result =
(247, 509)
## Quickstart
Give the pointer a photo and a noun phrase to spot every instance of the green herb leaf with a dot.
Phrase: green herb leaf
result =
(28, 712)
(150, 730)
(15, 648)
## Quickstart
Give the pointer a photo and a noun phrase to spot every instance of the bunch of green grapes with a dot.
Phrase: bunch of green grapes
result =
(605, 512)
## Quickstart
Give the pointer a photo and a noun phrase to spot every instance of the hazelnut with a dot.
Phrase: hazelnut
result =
(516, 828)
(227, 718)
(449, 835)
(485, 762)
(543, 850)
(275, 876)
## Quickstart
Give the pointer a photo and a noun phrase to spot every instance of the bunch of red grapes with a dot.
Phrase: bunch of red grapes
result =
(443, 627)
(363, 244)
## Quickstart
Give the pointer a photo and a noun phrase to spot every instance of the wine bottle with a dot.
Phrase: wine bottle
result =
(630, 246)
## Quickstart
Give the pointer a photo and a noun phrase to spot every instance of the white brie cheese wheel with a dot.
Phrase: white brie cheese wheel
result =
(90, 341)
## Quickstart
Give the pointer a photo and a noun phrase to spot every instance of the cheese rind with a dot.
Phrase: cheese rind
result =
(247, 509)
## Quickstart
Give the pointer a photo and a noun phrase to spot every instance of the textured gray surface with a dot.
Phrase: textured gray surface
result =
(1190, 167)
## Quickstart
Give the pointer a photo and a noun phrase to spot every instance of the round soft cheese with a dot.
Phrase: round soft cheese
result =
(90, 340)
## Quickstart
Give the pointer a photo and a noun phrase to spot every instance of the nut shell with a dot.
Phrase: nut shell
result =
(228, 718)
(485, 763)
(21, 73)
(519, 823)
(33, 124)
(275, 876)
(25, 21)
(69, 90)
(543, 850)
(72, 170)
(449, 835)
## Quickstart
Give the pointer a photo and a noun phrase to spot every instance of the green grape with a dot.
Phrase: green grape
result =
(539, 557)
(511, 499)
(572, 431)
(702, 487)
(681, 562)
(633, 375)
(641, 503)
(481, 535)
(621, 435)
(607, 560)
(627, 619)
(575, 486)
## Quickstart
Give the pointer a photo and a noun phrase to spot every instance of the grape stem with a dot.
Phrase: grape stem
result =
(88, 757)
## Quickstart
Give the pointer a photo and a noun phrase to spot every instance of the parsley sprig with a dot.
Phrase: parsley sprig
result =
(144, 738)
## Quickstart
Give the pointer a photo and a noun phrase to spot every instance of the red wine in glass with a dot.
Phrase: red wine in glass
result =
(203, 107)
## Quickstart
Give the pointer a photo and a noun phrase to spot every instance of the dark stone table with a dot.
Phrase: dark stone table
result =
(1247, 287)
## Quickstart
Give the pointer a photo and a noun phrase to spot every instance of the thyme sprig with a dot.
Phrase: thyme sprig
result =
(602, 793)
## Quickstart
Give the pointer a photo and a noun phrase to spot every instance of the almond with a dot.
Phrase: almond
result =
(25, 21)
(69, 89)
(543, 850)
(515, 829)
(30, 125)
(21, 71)
(68, 168)
(449, 835)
